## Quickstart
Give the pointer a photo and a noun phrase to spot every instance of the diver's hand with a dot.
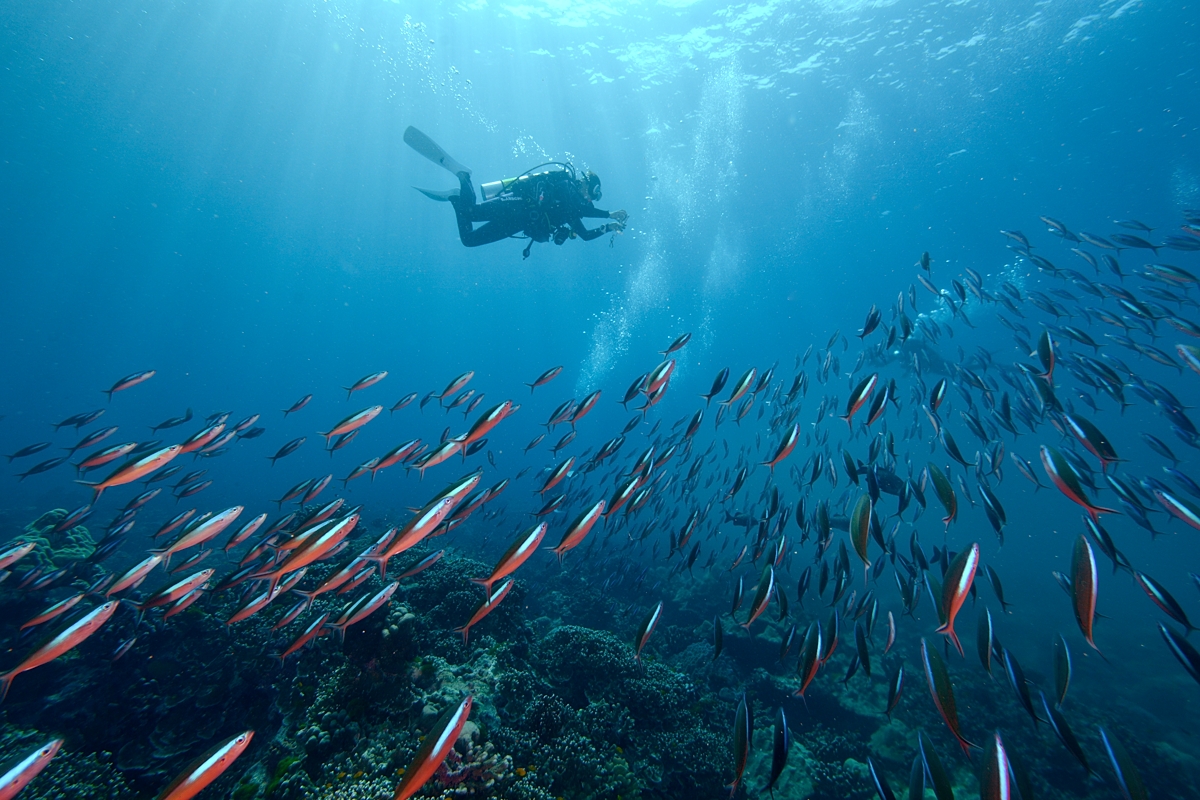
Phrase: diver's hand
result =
(619, 216)
(614, 227)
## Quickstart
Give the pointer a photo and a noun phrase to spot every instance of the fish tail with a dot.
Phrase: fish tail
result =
(108, 392)
(464, 630)
(964, 744)
(95, 487)
(166, 554)
(1095, 511)
(382, 562)
(5, 681)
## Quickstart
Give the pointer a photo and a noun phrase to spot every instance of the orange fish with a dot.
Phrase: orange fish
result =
(486, 607)
(134, 470)
(1084, 588)
(206, 769)
(578, 529)
(352, 423)
(942, 692)
(17, 778)
(956, 588)
(434, 749)
(514, 556)
(64, 642)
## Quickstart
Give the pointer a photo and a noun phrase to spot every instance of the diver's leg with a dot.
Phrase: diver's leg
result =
(504, 216)
(486, 234)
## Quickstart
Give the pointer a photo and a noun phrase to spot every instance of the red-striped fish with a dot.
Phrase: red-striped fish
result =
(365, 382)
(556, 475)
(996, 783)
(585, 405)
(175, 591)
(15, 553)
(434, 749)
(245, 532)
(134, 576)
(105, 456)
(438, 455)
(128, 382)
(422, 565)
(199, 532)
(1084, 588)
(514, 556)
(351, 423)
(64, 642)
(544, 378)
(659, 377)
(955, 589)
(810, 658)
(762, 596)
(488, 420)
(785, 447)
(486, 607)
(299, 404)
(206, 769)
(859, 396)
(395, 455)
(316, 546)
(133, 470)
(255, 605)
(1178, 507)
(311, 632)
(364, 608)
(677, 344)
(1066, 481)
(420, 526)
(174, 523)
(315, 490)
(27, 769)
(202, 439)
(61, 607)
(455, 385)
(579, 529)
(646, 629)
(740, 388)
(942, 692)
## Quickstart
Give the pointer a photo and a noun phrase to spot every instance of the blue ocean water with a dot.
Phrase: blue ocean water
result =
(220, 192)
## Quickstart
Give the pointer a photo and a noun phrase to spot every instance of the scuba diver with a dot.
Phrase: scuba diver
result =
(539, 206)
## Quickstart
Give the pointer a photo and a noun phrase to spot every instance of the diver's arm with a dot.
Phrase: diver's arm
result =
(587, 234)
(591, 212)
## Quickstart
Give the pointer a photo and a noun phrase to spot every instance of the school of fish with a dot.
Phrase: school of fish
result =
(1090, 315)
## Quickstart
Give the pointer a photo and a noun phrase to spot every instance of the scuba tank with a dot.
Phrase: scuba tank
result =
(528, 183)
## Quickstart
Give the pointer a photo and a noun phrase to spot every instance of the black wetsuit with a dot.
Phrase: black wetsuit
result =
(538, 211)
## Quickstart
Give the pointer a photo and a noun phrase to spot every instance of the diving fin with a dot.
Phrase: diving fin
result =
(441, 195)
(430, 149)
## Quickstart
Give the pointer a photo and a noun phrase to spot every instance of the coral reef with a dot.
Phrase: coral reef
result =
(56, 549)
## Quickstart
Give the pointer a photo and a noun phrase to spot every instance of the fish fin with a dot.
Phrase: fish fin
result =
(5, 681)
(166, 557)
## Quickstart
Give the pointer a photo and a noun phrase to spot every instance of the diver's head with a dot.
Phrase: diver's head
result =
(591, 186)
